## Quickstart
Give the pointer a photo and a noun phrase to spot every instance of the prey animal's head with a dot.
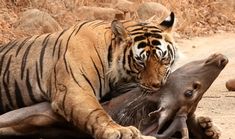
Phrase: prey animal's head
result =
(172, 104)
(182, 93)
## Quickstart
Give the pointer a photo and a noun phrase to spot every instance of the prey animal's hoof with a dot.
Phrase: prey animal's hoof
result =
(210, 130)
(230, 85)
(119, 132)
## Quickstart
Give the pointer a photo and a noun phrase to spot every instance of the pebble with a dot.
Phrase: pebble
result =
(230, 84)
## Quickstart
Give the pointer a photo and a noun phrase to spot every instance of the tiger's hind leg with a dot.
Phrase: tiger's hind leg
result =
(27, 120)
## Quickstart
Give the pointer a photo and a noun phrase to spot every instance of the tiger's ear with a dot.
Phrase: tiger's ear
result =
(119, 30)
(167, 24)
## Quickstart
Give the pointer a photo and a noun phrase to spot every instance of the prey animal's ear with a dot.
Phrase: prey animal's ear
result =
(119, 30)
(167, 24)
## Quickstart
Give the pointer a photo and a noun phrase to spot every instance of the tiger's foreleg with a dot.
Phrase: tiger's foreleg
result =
(79, 106)
(203, 128)
(29, 119)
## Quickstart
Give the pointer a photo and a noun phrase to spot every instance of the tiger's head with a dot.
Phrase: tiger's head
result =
(144, 51)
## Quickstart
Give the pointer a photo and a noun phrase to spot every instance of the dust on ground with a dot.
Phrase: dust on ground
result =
(218, 102)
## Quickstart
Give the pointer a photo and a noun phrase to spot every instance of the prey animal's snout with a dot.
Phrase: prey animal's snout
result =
(218, 60)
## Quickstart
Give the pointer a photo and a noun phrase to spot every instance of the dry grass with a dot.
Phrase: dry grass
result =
(195, 17)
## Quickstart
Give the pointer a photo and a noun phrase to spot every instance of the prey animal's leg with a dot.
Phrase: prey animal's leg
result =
(28, 119)
(210, 130)
(202, 127)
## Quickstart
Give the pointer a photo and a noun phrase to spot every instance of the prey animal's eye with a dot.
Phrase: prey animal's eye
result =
(188, 93)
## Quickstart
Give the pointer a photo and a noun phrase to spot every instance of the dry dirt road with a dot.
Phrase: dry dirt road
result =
(218, 102)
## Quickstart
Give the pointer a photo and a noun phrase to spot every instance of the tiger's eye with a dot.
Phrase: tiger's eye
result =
(155, 43)
(141, 45)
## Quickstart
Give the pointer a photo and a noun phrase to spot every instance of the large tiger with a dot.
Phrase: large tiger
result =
(73, 69)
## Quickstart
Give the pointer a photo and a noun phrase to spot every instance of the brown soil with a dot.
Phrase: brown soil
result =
(218, 102)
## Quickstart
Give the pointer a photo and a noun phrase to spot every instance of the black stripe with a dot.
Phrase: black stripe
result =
(155, 28)
(55, 78)
(38, 81)
(142, 52)
(3, 56)
(130, 59)
(71, 71)
(6, 78)
(66, 48)
(142, 45)
(100, 61)
(102, 22)
(81, 25)
(137, 33)
(156, 42)
(49, 89)
(7, 108)
(1, 102)
(137, 29)
(102, 65)
(5, 46)
(110, 55)
(58, 56)
(42, 53)
(21, 45)
(18, 94)
(25, 57)
(124, 58)
(155, 31)
(63, 101)
(158, 36)
(7, 69)
(139, 38)
(6, 88)
(29, 88)
(86, 78)
(99, 77)
(170, 50)
(57, 42)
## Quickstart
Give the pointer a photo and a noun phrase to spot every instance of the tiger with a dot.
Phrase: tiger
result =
(75, 68)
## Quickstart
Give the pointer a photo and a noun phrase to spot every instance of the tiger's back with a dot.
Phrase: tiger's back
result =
(26, 65)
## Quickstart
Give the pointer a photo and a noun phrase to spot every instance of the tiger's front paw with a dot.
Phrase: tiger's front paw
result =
(210, 130)
(119, 132)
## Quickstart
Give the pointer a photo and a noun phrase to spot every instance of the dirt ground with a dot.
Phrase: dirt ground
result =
(218, 102)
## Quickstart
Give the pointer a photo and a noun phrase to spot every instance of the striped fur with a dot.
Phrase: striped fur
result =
(76, 67)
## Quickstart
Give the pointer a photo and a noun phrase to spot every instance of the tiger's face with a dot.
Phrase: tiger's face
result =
(152, 59)
(148, 51)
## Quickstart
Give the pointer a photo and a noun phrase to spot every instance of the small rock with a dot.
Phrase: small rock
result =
(35, 21)
(230, 85)
(149, 9)
(213, 20)
(90, 13)
(125, 6)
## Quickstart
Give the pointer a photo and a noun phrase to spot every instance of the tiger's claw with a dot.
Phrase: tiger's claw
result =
(120, 132)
